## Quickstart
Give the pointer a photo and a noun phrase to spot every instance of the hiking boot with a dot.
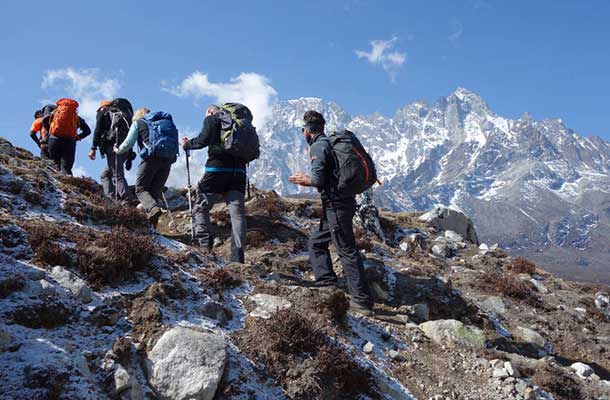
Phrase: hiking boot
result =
(154, 218)
(323, 284)
(362, 309)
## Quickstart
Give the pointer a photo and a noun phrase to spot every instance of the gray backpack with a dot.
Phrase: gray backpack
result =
(238, 136)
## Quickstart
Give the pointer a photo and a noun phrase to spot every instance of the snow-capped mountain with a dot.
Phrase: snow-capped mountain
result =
(535, 187)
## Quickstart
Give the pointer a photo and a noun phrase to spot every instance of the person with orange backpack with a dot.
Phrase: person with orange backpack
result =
(64, 124)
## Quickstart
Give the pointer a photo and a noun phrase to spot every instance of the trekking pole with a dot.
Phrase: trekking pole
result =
(168, 210)
(116, 169)
(189, 188)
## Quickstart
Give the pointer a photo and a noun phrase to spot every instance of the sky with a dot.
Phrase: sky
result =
(547, 58)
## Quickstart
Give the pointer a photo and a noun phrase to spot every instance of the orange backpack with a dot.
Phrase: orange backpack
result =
(65, 120)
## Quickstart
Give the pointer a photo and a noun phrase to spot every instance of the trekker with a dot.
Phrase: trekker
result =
(113, 121)
(64, 124)
(225, 172)
(38, 127)
(157, 139)
(338, 209)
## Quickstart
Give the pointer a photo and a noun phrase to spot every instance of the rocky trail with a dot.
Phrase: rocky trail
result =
(96, 305)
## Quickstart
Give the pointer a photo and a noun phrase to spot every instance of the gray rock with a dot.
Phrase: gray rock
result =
(527, 335)
(512, 371)
(5, 339)
(368, 347)
(73, 283)
(186, 364)
(539, 286)
(453, 236)
(500, 373)
(40, 288)
(394, 354)
(602, 302)
(215, 310)
(122, 380)
(444, 219)
(267, 304)
(421, 311)
(453, 333)
(442, 250)
(582, 370)
(493, 304)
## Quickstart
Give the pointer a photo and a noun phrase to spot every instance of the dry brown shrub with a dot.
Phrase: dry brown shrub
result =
(106, 211)
(557, 382)
(521, 265)
(269, 204)
(334, 307)
(303, 359)
(115, 257)
(510, 286)
(218, 279)
(257, 238)
(85, 186)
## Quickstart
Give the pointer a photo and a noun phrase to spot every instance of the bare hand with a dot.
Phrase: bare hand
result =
(300, 178)
(184, 142)
(92, 154)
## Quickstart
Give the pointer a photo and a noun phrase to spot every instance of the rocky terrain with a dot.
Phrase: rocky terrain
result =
(536, 187)
(94, 304)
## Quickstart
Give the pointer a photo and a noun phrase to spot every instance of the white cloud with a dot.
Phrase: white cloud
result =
(86, 86)
(381, 54)
(248, 88)
(457, 31)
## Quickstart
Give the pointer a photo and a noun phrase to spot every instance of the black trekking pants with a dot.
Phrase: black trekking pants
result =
(336, 226)
(150, 181)
(62, 152)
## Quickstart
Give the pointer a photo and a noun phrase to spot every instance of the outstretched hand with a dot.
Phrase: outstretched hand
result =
(184, 143)
(92, 155)
(300, 179)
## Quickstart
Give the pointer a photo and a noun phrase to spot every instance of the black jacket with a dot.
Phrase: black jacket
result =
(102, 126)
(223, 171)
(323, 168)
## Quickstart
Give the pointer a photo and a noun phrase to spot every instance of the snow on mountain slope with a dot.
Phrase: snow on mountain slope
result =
(460, 153)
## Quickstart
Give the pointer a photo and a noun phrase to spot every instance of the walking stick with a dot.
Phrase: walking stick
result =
(116, 168)
(189, 188)
(168, 210)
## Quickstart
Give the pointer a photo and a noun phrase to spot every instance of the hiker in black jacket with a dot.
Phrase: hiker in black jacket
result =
(224, 180)
(336, 221)
(112, 177)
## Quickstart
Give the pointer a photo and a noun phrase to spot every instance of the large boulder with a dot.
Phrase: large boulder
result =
(187, 364)
(453, 333)
(447, 219)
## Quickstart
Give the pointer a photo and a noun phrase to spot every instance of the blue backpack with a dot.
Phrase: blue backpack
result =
(162, 136)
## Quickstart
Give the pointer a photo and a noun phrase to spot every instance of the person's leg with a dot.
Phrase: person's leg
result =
(106, 177)
(145, 175)
(319, 256)
(55, 151)
(159, 180)
(121, 181)
(237, 211)
(201, 213)
(340, 215)
(68, 153)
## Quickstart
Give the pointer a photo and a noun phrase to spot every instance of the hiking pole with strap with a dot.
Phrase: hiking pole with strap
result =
(116, 169)
(189, 188)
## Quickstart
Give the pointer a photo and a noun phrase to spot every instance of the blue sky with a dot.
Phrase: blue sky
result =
(549, 58)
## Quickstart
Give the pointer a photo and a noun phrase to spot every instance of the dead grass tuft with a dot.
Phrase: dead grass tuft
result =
(510, 286)
(334, 307)
(115, 256)
(98, 209)
(521, 265)
(303, 359)
(560, 384)
(268, 204)
(218, 279)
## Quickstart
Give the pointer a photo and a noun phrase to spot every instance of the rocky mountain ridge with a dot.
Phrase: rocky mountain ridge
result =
(96, 305)
(536, 187)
